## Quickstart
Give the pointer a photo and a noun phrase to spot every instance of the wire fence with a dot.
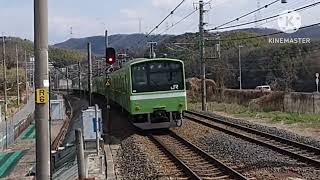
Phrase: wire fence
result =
(15, 125)
(6, 134)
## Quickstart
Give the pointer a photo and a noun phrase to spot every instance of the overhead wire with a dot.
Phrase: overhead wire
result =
(267, 18)
(247, 14)
(178, 22)
(171, 13)
(175, 24)
(291, 5)
(184, 18)
(264, 35)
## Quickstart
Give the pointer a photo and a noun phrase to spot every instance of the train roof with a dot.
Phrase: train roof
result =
(140, 60)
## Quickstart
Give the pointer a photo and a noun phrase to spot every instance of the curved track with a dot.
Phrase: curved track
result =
(195, 163)
(299, 151)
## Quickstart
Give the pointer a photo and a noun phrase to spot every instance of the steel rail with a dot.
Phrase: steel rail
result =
(267, 142)
(172, 155)
(220, 165)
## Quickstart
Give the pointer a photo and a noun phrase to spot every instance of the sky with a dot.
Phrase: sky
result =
(92, 17)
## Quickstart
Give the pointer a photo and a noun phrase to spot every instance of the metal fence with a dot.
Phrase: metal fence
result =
(6, 133)
(15, 125)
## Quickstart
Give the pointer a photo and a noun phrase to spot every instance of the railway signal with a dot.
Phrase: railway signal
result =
(110, 55)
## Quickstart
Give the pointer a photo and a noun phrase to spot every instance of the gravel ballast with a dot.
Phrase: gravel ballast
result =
(272, 130)
(132, 162)
(250, 159)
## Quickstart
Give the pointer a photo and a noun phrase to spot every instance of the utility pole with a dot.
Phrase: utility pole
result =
(17, 76)
(79, 75)
(67, 76)
(98, 70)
(96, 108)
(33, 71)
(41, 85)
(106, 38)
(202, 61)
(27, 89)
(240, 69)
(5, 86)
(140, 25)
(90, 74)
(80, 154)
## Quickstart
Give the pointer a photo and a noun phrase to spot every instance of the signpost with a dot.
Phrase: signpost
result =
(317, 82)
(42, 96)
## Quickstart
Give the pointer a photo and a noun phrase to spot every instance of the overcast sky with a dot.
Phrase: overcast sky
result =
(91, 17)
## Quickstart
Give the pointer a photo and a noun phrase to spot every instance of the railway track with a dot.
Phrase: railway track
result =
(299, 151)
(192, 161)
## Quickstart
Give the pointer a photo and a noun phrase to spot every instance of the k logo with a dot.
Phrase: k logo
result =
(289, 21)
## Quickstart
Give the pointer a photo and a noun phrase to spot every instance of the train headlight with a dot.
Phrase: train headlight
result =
(138, 108)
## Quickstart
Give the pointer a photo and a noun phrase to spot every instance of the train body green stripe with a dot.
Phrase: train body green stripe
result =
(158, 95)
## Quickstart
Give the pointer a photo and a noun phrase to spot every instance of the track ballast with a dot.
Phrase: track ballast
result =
(299, 151)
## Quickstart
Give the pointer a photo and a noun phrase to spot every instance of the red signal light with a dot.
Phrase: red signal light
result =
(110, 56)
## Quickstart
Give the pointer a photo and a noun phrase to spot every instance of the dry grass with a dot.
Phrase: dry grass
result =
(247, 112)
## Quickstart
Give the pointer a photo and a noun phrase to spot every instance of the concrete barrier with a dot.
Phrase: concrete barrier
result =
(302, 103)
(293, 102)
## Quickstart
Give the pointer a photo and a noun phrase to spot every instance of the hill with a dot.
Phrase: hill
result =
(284, 66)
(312, 32)
(58, 56)
(134, 44)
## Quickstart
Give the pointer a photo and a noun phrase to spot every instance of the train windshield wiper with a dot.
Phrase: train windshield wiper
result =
(154, 83)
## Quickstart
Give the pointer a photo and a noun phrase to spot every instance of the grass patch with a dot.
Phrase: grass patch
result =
(246, 112)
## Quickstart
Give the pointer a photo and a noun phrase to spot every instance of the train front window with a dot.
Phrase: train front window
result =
(157, 76)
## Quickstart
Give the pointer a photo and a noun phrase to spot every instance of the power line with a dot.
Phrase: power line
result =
(182, 19)
(267, 18)
(171, 13)
(178, 22)
(292, 4)
(247, 14)
(264, 35)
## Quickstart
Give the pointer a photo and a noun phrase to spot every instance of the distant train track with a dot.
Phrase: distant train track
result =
(299, 151)
(193, 162)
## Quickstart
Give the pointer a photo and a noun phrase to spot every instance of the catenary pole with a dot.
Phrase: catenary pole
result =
(106, 38)
(67, 76)
(17, 76)
(5, 85)
(202, 61)
(96, 108)
(41, 83)
(240, 68)
(26, 71)
(79, 76)
(80, 154)
(90, 74)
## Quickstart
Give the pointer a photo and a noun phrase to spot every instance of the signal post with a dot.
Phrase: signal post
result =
(110, 60)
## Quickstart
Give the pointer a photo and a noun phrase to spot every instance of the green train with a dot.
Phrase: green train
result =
(151, 91)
